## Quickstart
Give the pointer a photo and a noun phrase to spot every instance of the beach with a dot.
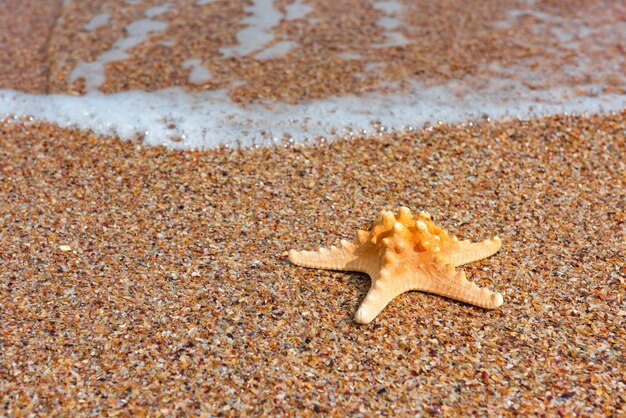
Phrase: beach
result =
(142, 280)
(176, 294)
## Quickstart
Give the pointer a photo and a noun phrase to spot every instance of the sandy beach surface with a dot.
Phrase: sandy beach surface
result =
(296, 50)
(147, 281)
(175, 294)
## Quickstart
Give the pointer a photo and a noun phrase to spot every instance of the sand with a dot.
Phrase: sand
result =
(335, 48)
(142, 281)
(145, 281)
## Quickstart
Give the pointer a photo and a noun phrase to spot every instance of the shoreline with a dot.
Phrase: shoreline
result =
(261, 72)
(175, 294)
(183, 120)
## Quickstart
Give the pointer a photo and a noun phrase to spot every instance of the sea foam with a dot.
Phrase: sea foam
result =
(179, 119)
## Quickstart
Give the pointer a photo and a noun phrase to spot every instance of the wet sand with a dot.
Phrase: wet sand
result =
(329, 48)
(176, 296)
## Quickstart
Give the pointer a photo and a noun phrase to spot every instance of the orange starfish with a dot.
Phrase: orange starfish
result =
(402, 253)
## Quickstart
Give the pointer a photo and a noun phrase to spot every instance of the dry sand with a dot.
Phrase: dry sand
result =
(176, 295)
(142, 281)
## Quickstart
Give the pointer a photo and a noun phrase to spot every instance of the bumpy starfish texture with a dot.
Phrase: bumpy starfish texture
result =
(402, 253)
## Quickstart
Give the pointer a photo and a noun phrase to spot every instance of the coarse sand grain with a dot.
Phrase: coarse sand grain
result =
(143, 281)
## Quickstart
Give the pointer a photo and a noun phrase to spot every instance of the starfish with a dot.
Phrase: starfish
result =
(402, 253)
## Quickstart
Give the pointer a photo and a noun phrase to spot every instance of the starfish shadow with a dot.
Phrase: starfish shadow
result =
(361, 282)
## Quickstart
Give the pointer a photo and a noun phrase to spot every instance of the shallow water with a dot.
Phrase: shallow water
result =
(183, 117)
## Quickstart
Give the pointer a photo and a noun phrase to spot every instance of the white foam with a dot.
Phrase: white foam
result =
(199, 73)
(276, 50)
(389, 6)
(394, 38)
(97, 21)
(207, 119)
(581, 35)
(297, 10)
(350, 56)
(157, 10)
(391, 23)
(167, 42)
(258, 31)
(258, 37)
(136, 33)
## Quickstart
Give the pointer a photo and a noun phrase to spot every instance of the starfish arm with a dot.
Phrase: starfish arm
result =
(378, 297)
(443, 279)
(458, 253)
(348, 255)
